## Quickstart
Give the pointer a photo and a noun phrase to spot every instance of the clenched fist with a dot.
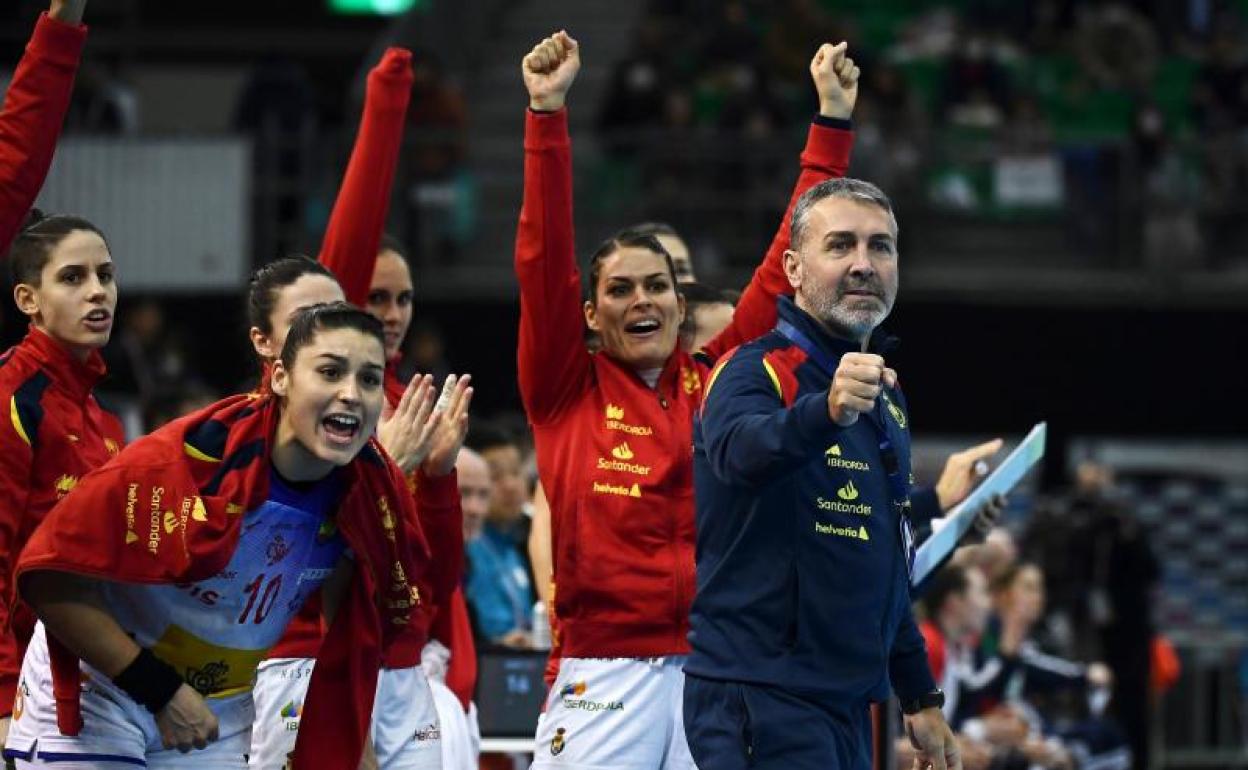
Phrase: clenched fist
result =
(186, 722)
(549, 70)
(836, 80)
(858, 382)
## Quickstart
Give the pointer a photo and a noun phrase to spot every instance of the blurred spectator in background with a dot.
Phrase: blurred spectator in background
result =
(1124, 572)
(475, 492)
(103, 102)
(440, 198)
(1059, 700)
(956, 606)
(977, 91)
(177, 403)
(277, 110)
(1172, 190)
(499, 585)
(1078, 111)
(149, 381)
(1116, 46)
(424, 352)
(435, 121)
(635, 98)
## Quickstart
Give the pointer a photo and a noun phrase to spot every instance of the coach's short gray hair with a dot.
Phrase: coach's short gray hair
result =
(844, 187)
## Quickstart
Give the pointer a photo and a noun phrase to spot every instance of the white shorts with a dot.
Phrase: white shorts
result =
(406, 732)
(615, 714)
(461, 737)
(116, 733)
(281, 685)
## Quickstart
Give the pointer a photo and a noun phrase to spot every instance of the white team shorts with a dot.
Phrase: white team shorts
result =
(117, 733)
(615, 714)
(281, 685)
(461, 736)
(406, 733)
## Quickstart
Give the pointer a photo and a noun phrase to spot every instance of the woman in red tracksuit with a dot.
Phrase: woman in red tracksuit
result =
(30, 123)
(54, 431)
(614, 432)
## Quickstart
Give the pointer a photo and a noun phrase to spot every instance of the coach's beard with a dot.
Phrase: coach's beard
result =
(845, 315)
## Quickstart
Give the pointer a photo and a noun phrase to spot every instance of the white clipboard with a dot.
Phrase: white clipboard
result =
(947, 531)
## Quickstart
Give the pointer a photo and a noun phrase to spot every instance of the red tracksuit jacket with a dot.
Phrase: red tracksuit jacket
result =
(52, 434)
(34, 109)
(615, 456)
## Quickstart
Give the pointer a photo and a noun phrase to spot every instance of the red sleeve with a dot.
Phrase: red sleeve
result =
(935, 642)
(16, 458)
(442, 522)
(30, 122)
(554, 366)
(826, 156)
(359, 216)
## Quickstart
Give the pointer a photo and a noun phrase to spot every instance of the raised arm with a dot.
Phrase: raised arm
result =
(826, 155)
(554, 366)
(34, 110)
(353, 235)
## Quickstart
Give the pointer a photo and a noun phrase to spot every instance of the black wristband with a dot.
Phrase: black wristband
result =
(933, 699)
(150, 681)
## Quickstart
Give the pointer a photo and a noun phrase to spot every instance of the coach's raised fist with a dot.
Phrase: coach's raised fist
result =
(836, 80)
(549, 70)
(857, 383)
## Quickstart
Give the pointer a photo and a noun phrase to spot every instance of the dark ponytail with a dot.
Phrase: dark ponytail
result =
(269, 280)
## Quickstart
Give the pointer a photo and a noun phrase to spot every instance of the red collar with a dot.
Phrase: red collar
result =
(66, 371)
(669, 377)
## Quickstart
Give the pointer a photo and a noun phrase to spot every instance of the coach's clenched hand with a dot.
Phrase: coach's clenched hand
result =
(186, 722)
(857, 383)
(836, 80)
(549, 70)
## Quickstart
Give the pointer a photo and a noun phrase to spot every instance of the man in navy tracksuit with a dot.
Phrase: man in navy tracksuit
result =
(802, 475)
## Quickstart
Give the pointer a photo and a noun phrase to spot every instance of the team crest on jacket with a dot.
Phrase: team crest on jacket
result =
(556, 743)
(65, 484)
(690, 380)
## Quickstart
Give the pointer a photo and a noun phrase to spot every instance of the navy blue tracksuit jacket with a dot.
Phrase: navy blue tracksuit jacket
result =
(801, 576)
